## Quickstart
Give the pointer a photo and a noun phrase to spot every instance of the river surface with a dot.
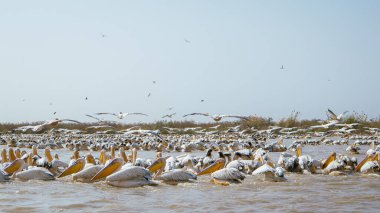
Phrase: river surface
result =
(301, 193)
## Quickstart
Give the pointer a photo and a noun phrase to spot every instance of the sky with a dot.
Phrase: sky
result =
(54, 54)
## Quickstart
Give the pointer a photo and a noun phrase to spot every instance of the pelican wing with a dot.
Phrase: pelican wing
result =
(228, 174)
(265, 168)
(35, 174)
(106, 113)
(130, 173)
(332, 114)
(197, 113)
(234, 116)
(93, 117)
(86, 174)
(70, 121)
(134, 113)
(177, 175)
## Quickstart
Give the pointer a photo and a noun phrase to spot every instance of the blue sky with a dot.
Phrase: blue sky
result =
(53, 55)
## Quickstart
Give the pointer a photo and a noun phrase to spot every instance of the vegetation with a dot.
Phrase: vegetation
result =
(257, 122)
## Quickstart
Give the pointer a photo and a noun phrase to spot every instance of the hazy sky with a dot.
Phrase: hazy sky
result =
(54, 54)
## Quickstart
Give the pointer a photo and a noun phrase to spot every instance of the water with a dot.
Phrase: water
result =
(301, 193)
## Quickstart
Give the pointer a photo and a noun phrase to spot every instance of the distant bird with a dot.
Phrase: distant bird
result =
(154, 82)
(96, 118)
(169, 115)
(54, 113)
(149, 94)
(170, 108)
(217, 117)
(187, 41)
(104, 35)
(86, 98)
(282, 67)
(202, 100)
(121, 115)
(333, 116)
(51, 123)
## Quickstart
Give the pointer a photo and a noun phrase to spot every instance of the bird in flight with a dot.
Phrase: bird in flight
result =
(187, 41)
(154, 82)
(333, 116)
(216, 117)
(121, 115)
(86, 98)
(149, 94)
(54, 113)
(282, 67)
(169, 115)
(170, 108)
(202, 100)
(52, 123)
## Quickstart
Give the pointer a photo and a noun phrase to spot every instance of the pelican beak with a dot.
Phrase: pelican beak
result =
(365, 160)
(330, 159)
(156, 165)
(12, 156)
(76, 167)
(14, 166)
(109, 169)
(48, 155)
(299, 151)
(376, 158)
(217, 165)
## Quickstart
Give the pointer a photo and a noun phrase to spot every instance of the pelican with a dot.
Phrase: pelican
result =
(125, 176)
(333, 116)
(369, 164)
(51, 123)
(270, 174)
(222, 176)
(121, 115)
(216, 117)
(171, 176)
(169, 115)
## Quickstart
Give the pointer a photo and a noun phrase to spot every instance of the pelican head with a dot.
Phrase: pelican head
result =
(109, 169)
(329, 160)
(14, 166)
(157, 165)
(217, 165)
(77, 166)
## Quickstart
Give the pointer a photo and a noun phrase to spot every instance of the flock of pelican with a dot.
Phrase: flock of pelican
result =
(239, 154)
(117, 168)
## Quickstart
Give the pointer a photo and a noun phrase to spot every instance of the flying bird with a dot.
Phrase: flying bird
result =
(169, 115)
(333, 116)
(282, 67)
(149, 94)
(216, 117)
(121, 115)
(187, 41)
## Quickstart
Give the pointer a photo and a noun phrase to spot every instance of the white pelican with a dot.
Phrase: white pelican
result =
(221, 175)
(171, 176)
(333, 116)
(369, 164)
(270, 174)
(121, 115)
(217, 117)
(36, 173)
(169, 115)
